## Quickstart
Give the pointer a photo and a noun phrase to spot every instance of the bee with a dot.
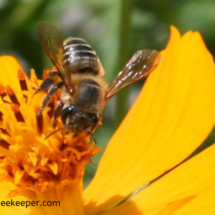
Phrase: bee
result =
(79, 75)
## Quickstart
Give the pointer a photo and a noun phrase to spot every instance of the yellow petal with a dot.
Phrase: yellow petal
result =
(66, 200)
(5, 187)
(189, 189)
(9, 68)
(173, 114)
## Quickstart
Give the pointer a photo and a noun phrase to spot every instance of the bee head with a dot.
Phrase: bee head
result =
(77, 120)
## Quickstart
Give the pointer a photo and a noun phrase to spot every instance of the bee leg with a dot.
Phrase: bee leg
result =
(45, 85)
(47, 98)
(91, 134)
(94, 140)
(47, 82)
(57, 112)
(54, 72)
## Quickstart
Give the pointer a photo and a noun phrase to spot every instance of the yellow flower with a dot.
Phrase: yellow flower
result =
(172, 116)
(41, 169)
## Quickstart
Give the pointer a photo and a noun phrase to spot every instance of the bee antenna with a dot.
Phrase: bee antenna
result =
(91, 134)
(55, 131)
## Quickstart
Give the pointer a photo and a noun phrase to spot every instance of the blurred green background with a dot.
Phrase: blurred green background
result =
(115, 29)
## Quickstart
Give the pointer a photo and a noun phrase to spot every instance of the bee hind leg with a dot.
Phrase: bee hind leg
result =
(47, 98)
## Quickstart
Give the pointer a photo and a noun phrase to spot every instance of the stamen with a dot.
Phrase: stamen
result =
(12, 95)
(1, 116)
(39, 119)
(22, 81)
(17, 113)
(4, 131)
(33, 78)
(3, 94)
(63, 146)
(4, 144)
(51, 106)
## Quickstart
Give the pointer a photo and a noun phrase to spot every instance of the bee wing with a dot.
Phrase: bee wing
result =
(52, 43)
(138, 67)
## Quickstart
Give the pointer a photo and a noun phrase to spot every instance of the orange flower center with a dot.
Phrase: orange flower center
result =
(29, 159)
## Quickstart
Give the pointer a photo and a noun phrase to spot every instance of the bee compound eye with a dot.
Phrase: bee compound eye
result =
(93, 117)
(66, 112)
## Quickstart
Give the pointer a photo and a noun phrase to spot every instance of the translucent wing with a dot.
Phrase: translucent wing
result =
(138, 67)
(52, 43)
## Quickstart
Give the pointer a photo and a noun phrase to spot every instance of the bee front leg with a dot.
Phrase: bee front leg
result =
(89, 131)
(47, 82)
(57, 112)
(47, 98)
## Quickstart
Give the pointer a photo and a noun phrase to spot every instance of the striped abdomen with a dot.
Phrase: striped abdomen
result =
(80, 57)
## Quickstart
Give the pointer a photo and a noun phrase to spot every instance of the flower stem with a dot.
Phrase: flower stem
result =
(123, 54)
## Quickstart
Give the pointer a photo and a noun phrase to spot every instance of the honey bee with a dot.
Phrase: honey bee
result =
(79, 75)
